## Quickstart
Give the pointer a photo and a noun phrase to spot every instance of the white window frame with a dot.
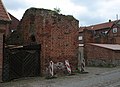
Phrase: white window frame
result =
(114, 30)
(12, 30)
(80, 38)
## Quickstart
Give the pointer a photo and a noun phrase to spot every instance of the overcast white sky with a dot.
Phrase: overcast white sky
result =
(88, 12)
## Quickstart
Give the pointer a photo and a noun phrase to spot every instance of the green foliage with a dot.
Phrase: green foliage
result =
(57, 10)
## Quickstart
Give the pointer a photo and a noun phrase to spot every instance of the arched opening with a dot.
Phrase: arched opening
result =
(32, 38)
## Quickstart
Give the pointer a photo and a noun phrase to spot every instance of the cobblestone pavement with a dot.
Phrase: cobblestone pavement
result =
(97, 77)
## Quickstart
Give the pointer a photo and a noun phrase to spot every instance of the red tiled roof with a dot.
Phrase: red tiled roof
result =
(98, 26)
(101, 26)
(3, 13)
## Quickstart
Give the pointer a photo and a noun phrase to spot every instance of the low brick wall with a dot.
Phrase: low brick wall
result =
(103, 62)
(99, 56)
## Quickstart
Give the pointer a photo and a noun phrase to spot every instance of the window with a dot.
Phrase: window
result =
(114, 30)
(105, 32)
(12, 30)
(80, 38)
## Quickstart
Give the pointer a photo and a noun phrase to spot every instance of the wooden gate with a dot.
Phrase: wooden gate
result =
(21, 62)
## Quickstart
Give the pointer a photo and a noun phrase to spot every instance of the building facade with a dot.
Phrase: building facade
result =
(98, 32)
(4, 20)
(114, 33)
(102, 34)
(4, 30)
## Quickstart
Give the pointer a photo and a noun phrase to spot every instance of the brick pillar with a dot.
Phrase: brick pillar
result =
(87, 36)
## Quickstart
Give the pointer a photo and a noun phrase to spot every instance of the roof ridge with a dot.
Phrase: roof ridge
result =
(2, 6)
(101, 23)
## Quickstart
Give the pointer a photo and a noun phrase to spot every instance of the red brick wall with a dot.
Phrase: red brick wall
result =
(91, 36)
(100, 55)
(4, 28)
(1, 53)
(88, 36)
(97, 52)
(56, 33)
(117, 55)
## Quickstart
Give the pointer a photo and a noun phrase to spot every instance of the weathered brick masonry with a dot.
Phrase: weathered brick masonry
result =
(56, 33)
(4, 29)
(1, 54)
(94, 55)
(101, 56)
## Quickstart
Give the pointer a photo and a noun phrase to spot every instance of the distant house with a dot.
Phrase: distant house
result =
(14, 23)
(96, 31)
(99, 42)
(114, 33)
(4, 30)
(13, 37)
(4, 19)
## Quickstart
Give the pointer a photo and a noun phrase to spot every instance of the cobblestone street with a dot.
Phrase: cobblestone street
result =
(97, 77)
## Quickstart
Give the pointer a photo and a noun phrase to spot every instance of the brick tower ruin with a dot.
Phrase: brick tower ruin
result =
(56, 33)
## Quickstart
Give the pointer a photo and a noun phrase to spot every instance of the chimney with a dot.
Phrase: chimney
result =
(109, 20)
(116, 16)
